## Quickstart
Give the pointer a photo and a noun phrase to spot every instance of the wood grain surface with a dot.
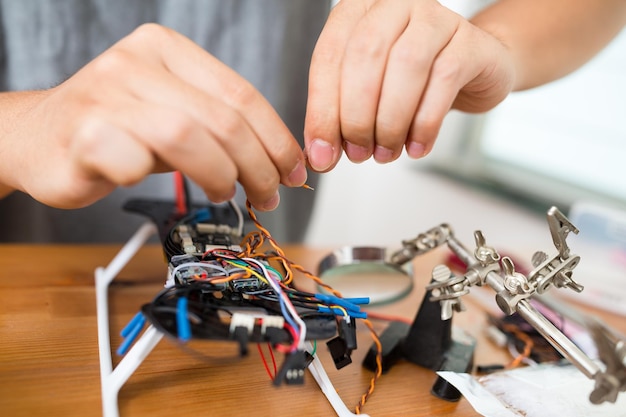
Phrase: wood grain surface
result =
(49, 351)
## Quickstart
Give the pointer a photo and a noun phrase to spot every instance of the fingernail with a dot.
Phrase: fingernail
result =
(416, 150)
(382, 154)
(272, 203)
(357, 153)
(224, 197)
(232, 194)
(298, 175)
(320, 154)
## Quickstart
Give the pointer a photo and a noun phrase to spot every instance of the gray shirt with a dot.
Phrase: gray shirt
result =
(269, 42)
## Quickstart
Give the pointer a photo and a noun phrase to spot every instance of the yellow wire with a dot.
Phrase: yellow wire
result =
(249, 270)
(254, 240)
(338, 307)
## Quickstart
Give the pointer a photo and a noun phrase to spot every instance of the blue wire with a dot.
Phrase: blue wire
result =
(202, 215)
(358, 300)
(286, 314)
(132, 324)
(331, 299)
(182, 321)
(131, 334)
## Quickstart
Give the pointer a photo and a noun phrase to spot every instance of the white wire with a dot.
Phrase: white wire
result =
(276, 287)
(239, 214)
(321, 377)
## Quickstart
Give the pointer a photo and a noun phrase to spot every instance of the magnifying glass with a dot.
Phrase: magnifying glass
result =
(365, 272)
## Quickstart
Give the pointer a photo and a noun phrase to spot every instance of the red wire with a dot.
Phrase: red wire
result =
(294, 336)
(179, 186)
(265, 365)
(269, 346)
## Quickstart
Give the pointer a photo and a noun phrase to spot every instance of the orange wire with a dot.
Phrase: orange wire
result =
(254, 241)
(379, 367)
(528, 345)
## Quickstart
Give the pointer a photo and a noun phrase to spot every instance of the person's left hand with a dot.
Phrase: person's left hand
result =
(385, 73)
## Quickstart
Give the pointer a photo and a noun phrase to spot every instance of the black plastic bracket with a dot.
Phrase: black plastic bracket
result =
(428, 342)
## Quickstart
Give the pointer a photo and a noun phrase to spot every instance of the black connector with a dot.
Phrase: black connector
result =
(347, 331)
(240, 334)
(339, 352)
(292, 369)
(274, 335)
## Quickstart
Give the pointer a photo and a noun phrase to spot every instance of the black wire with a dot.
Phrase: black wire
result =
(170, 246)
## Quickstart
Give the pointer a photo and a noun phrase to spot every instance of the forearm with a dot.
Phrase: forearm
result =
(550, 38)
(13, 106)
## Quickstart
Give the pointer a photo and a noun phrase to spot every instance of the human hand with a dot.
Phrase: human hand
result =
(385, 73)
(153, 102)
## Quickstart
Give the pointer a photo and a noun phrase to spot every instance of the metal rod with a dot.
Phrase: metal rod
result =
(461, 251)
(552, 334)
(557, 339)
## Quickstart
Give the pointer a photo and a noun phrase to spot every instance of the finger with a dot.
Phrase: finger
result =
(102, 150)
(196, 67)
(322, 134)
(363, 72)
(256, 171)
(184, 144)
(407, 72)
(455, 67)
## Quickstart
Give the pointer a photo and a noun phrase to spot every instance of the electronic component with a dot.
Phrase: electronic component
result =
(215, 290)
(292, 370)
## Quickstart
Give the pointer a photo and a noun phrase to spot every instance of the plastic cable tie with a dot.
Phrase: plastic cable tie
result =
(272, 321)
(242, 320)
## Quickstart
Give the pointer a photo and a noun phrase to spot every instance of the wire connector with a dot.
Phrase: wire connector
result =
(241, 327)
(292, 369)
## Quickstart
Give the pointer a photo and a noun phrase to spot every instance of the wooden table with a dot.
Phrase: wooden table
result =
(49, 350)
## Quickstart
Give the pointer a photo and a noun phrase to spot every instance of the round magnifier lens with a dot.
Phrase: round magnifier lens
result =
(363, 272)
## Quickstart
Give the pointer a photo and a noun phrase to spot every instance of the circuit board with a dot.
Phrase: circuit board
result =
(222, 285)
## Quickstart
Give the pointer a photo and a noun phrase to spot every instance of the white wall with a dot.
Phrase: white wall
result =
(372, 204)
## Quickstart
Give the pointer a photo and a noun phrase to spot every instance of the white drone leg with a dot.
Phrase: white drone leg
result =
(112, 380)
(127, 366)
(321, 377)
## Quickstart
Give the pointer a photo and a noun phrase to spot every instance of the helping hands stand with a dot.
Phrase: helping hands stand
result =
(429, 342)
(513, 294)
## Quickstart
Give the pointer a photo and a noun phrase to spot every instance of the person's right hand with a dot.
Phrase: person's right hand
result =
(385, 73)
(153, 102)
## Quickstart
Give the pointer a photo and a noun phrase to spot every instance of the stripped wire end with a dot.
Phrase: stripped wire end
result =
(308, 187)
